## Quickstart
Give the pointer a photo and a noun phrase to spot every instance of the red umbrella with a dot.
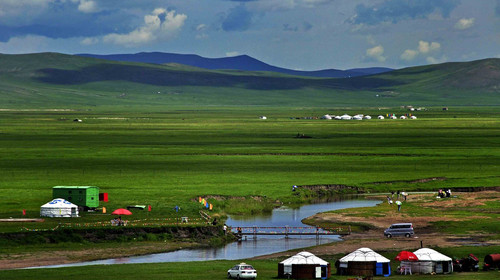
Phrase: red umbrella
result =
(406, 256)
(121, 211)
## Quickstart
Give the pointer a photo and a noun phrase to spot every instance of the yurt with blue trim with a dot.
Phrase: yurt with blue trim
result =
(364, 261)
(59, 207)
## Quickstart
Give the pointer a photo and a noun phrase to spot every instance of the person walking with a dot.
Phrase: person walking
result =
(399, 203)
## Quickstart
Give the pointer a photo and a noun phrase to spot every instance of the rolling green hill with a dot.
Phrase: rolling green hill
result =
(54, 80)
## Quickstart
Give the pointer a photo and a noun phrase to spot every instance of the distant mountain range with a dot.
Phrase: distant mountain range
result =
(241, 62)
(54, 80)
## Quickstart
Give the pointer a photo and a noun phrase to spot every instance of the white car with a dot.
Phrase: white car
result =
(242, 271)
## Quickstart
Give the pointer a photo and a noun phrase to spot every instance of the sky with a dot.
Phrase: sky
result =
(296, 34)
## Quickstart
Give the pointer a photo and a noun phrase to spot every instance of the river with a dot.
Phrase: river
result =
(249, 247)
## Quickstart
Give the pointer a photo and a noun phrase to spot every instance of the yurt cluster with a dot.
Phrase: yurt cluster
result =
(366, 263)
(360, 117)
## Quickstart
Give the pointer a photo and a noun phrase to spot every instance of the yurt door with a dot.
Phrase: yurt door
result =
(324, 272)
(318, 272)
(439, 267)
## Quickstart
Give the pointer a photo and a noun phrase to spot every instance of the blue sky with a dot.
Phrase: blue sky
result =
(295, 34)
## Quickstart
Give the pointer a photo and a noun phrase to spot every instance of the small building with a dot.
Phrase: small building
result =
(86, 197)
(59, 207)
(429, 261)
(304, 265)
(366, 262)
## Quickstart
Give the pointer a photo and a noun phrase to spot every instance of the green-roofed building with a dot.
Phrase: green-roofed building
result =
(84, 196)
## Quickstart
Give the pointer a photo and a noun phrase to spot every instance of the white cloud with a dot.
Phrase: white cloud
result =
(87, 6)
(89, 41)
(409, 55)
(376, 53)
(230, 54)
(201, 27)
(432, 60)
(425, 47)
(464, 23)
(160, 25)
(25, 44)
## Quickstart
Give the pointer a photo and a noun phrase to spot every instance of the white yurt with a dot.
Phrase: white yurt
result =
(380, 117)
(367, 117)
(403, 117)
(337, 117)
(413, 117)
(304, 265)
(357, 117)
(429, 261)
(263, 117)
(59, 207)
(345, 117)
(393, 117)
(364, 261)
(326, 117)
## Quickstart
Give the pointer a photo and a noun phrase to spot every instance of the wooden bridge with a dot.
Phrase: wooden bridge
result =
(289, 231)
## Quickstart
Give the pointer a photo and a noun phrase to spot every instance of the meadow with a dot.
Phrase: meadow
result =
(170, 157)
(266, 269)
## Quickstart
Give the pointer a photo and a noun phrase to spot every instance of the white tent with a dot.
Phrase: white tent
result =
(429, 261)
(403, 117)
(59, 207)
(393, 117)
(413, 117)
(367, 117)
(304, 265)
(337, 117)
(263, 117)
(380, 117)
(345, 117)
(364, 255)
(357, 117)
(326, 117)
(364, 261)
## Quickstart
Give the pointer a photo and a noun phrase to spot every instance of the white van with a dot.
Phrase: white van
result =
(401, 229)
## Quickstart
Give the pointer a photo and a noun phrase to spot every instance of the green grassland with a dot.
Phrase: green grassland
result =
(266, 269)
(172, 157)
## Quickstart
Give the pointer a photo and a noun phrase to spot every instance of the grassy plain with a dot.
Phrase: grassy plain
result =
(266, 269)
(167, 157)
(171, 157)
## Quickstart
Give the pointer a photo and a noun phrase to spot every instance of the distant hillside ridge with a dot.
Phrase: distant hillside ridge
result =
(53, 79)
(241, 62)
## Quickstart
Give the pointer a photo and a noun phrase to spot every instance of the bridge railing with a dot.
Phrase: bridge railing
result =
(287, 230)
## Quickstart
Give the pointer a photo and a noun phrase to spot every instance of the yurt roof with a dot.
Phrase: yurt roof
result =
(364, 255)
(304, 258)
(426, 254)
(59, 203)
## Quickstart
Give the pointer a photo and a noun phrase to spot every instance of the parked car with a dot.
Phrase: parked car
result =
(242, 271)
(401, 229)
